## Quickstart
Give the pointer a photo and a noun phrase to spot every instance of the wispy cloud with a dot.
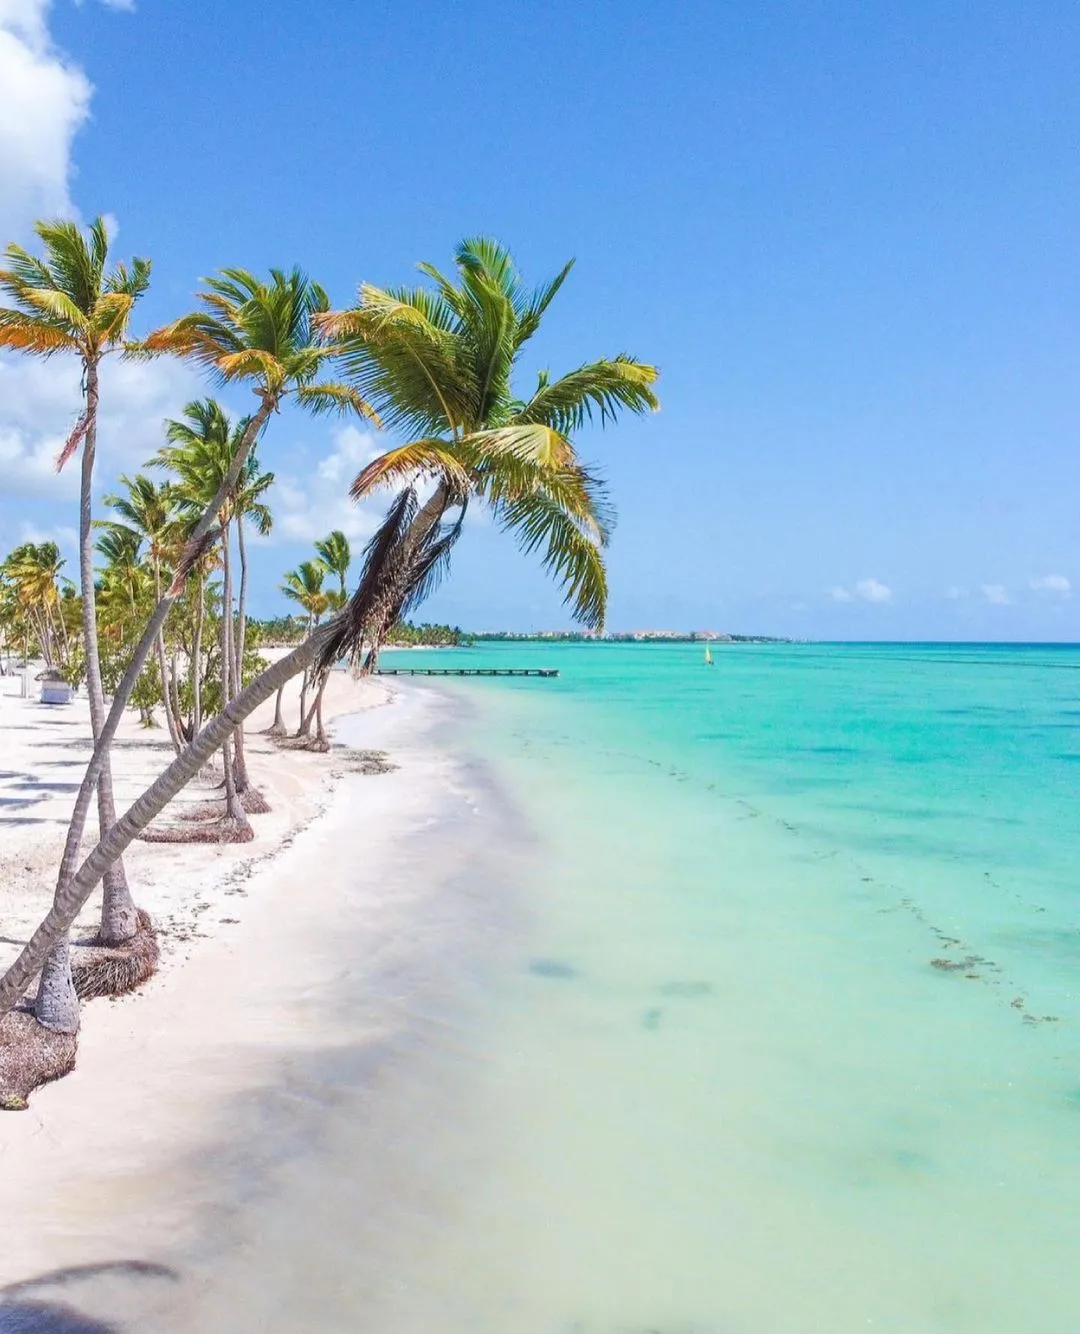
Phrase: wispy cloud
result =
(308, 506)
(1052, 586)
(866, 590)
(957, 594)
(873, 590)
(996, 594)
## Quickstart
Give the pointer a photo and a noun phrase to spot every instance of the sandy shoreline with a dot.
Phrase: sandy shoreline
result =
(246, 954)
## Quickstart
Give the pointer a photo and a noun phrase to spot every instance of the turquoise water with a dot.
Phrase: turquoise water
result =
(682, 1000)
(793, 1040)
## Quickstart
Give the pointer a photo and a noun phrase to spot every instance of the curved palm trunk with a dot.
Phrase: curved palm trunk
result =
(171, 718)
(196, 656)
(277, 727)
(99, 760)
(238, 641)
(305, 721)
(76, 889)
(234, 810)
(119, 920)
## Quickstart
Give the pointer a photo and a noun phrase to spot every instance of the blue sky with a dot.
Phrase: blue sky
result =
(845, 233)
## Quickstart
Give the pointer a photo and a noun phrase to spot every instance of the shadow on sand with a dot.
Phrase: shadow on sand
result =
(26, 1309)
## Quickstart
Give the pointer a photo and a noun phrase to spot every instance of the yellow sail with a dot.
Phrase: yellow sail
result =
(708, 656)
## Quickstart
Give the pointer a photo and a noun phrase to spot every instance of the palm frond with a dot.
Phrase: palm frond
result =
(428, 458)
(538, 521)
(340, 398)
(600, 387)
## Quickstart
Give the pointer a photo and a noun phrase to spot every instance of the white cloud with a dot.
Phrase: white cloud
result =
(45, 100)
(1052, 585)
(956, 594)
(307, 507)
(866, 590)
(871, 590)
(40, 401)
(997, 594)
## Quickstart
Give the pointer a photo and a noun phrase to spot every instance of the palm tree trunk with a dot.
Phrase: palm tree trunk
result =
(305, 722)
(119, 920)
(234, 811)
(320, 730)
(277, 727)
(99, 760)
(238, 642)
(166, 698)
(196, 656)
(76, 889)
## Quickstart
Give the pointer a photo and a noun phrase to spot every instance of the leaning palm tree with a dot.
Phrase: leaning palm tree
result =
(439, 364)
(70, 302)
(248, 331)
(395, 554)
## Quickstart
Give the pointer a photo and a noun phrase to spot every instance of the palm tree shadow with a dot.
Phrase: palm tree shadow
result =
(32, 1317)
(22, 1311)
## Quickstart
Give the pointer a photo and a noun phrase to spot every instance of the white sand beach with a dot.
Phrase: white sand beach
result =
(244, 932)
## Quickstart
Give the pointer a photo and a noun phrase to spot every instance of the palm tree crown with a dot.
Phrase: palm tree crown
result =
(262, 332)
(68, 301)
(336, 555)
(438, 364)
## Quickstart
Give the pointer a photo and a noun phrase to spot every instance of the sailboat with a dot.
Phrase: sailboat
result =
(708, 656)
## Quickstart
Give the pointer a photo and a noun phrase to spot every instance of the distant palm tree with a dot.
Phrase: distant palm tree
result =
(335, 554)
(304, 586)
(201, 448)
(69, 302)
(247, 331)
(439, 365)
(151, 515)
(32, 572)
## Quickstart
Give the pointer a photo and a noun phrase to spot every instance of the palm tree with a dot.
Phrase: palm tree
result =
(391, 546)
(438, 364)
(252, 331)
(32, 571)
(304, 586)
(335, 554)
(150, 513)
(199, 453)
(67, 302)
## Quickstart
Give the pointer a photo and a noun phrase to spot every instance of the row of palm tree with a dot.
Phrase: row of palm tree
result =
(38, 607)
(433, 364)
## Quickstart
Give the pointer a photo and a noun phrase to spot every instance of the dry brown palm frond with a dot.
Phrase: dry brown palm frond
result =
(225, 830)
(115, 970)
(30, 1055)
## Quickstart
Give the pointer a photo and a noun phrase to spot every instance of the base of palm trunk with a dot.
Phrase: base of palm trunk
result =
(114, 970)
(274, 730)
(302, 743)
(227, 829)
(253, 802)
(30, 1055)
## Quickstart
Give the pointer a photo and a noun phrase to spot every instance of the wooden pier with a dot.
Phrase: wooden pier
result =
(467, 671)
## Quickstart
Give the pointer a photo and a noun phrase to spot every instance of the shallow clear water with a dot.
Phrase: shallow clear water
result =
(753, 1009)
(797, 1042)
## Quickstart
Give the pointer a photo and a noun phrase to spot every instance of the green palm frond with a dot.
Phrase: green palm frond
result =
(343, 399)
(570, 555)
(600, 388)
